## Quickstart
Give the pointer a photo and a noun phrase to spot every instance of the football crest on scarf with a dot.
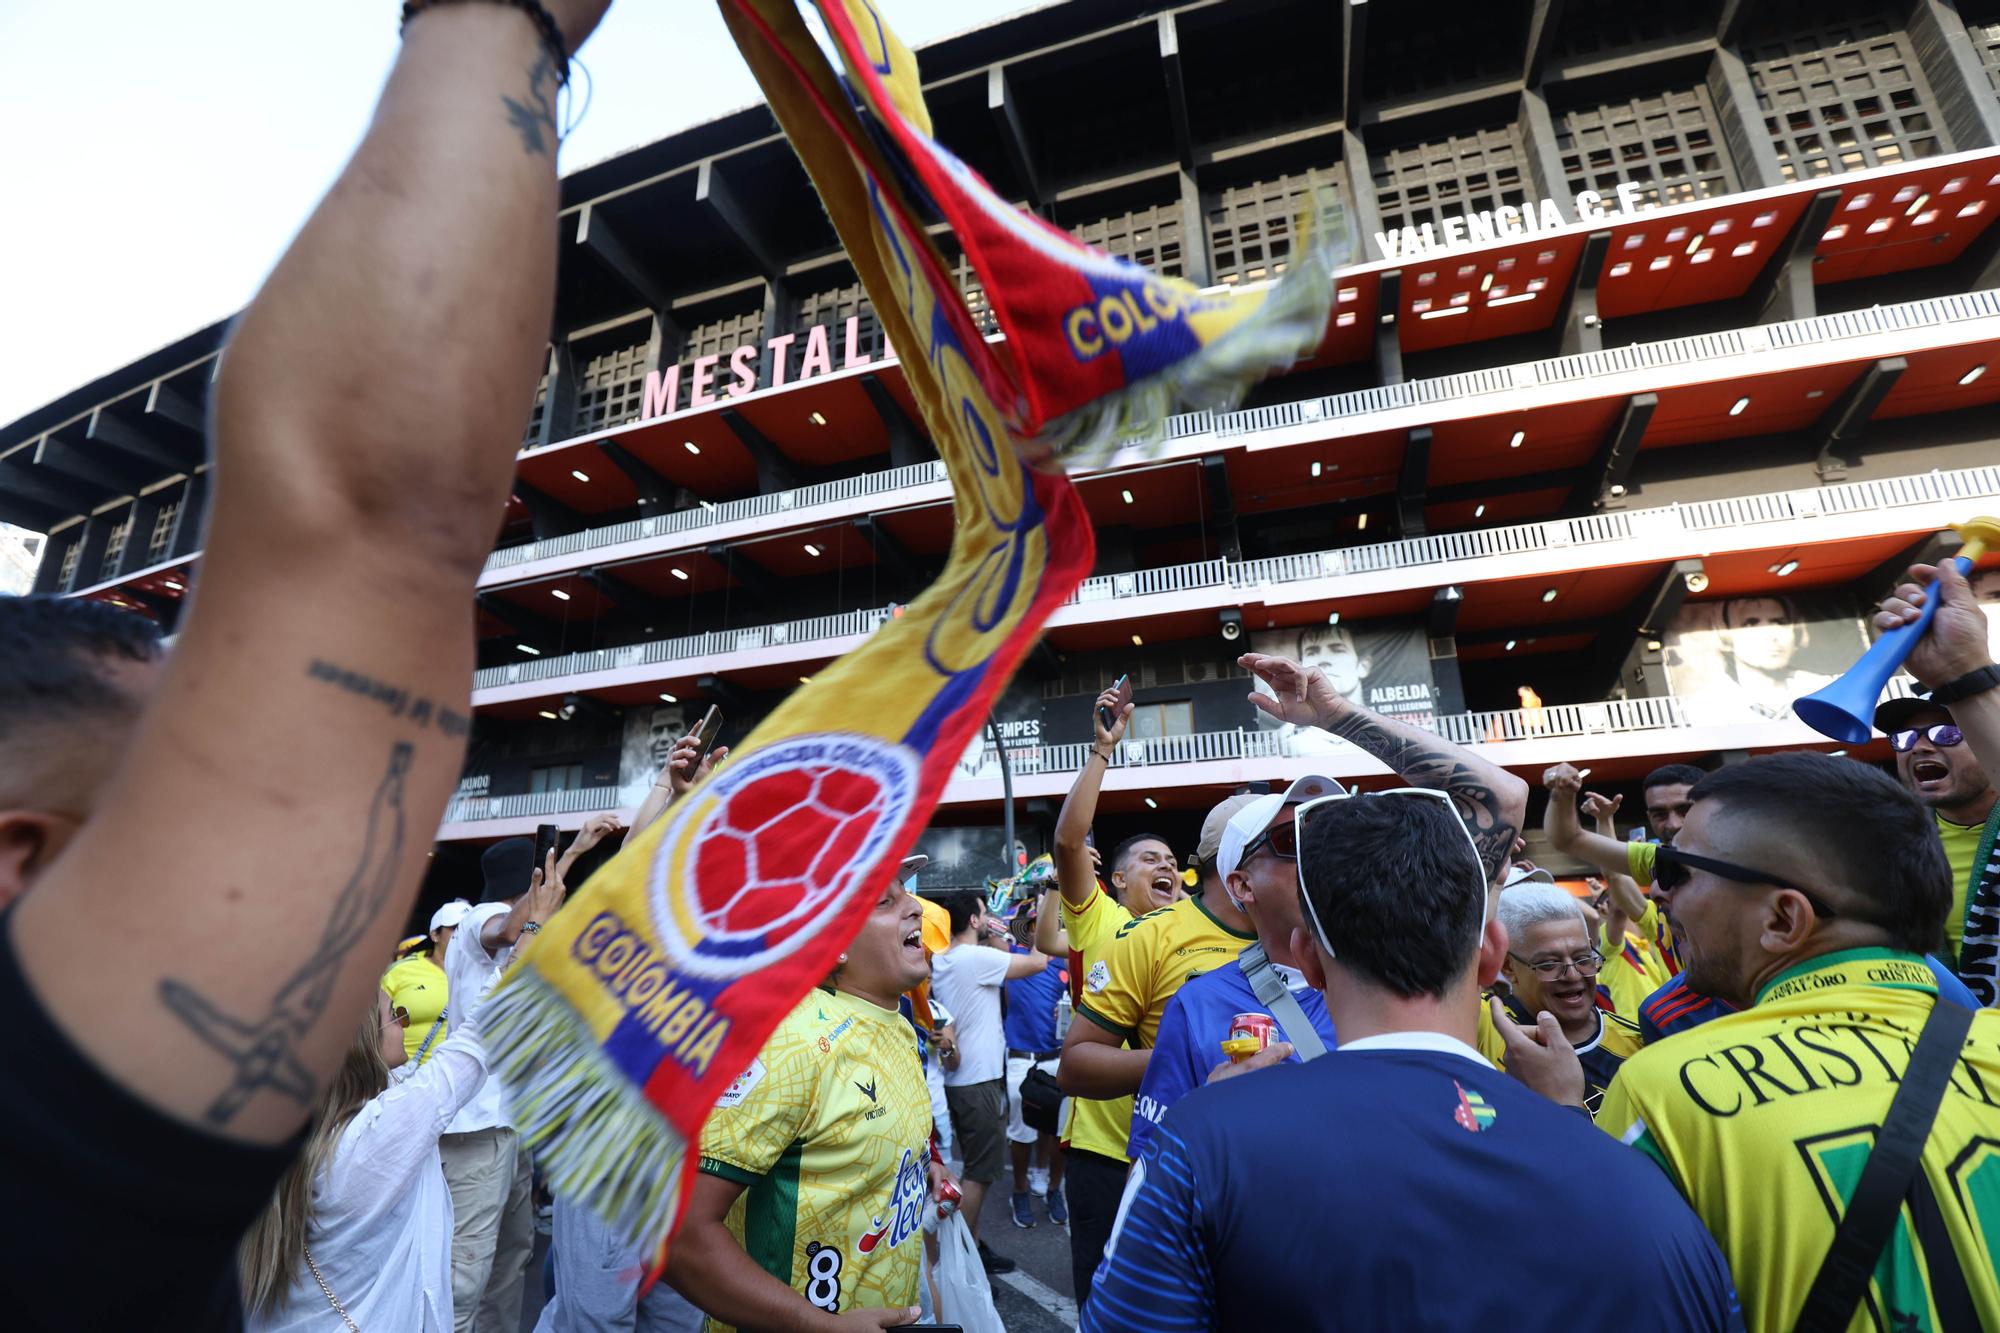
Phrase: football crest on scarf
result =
(756, 860)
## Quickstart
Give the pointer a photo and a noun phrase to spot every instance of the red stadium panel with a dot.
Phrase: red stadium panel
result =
(1693, 255)
(1495, 292)
(1921, 216)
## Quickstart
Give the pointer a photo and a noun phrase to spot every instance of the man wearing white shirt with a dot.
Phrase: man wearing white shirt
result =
(967, 978)
(491, 1179)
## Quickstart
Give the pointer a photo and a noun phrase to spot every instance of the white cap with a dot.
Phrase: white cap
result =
(1248, 823)
(912, 863)
(450, 914)
(1520, 874)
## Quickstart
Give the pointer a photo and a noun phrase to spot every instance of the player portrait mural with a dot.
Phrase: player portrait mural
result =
(1385, 668)
(1744, 659)
(650, 735)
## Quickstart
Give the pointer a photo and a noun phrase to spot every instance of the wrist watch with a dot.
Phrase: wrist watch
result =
(1967, 685)
(530, 927)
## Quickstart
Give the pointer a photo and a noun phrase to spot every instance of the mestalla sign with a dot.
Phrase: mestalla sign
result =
(740, 371)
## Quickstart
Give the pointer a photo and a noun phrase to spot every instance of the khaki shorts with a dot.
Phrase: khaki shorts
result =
(979, 1118)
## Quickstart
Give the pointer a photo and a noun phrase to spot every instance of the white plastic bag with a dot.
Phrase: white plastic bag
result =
(963, 1296)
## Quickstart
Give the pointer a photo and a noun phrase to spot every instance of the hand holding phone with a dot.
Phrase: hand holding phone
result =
(704, 738)
(545, 842)
(1111, 709)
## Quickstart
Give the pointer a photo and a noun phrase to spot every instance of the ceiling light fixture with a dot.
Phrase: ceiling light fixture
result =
(1127, 495)
(1737, 410)
(529, 649)
(811, 549)
(818, 420)
(1479, 512)
(1519, 436)
(1486, 283)
(1972, 375)
(547, 714)
(1695, 243)
(805, 680)
(1138, 642)
(1361, 524)
(680, 574)
(1548, 595)
(177, 587)
(1786, 570)
(691, 446)
(1511, 643)
(1152, 804)
(1315, 467)
(1333, 618)
(669, 699)
(580, 476)
(559, 594)
(1916, 205)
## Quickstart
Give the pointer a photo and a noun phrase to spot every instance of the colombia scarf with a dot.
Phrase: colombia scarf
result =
(660, 980)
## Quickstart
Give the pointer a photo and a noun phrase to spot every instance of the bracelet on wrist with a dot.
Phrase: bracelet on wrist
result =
(1977, 681)
(545, 25)
(530, 927)
(1101, 755)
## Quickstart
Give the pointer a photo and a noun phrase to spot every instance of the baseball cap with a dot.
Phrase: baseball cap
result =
(509, 867)
(1256, 815)
(1893, 715)
(1218, 819)
(912, 863)
(1524, 875)
(450, 914)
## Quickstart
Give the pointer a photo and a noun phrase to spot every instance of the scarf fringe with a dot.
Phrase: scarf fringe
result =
(1286, 327)
(603, 1144)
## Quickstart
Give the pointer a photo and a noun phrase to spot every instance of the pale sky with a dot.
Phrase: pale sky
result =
(158, 157)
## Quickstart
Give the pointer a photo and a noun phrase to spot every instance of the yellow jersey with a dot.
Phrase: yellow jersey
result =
(1094, 1126)
(1962, 845)
(1634, 969)
(1764, 1118)
(1617, 1041)
(417, 986)
(829, 1132)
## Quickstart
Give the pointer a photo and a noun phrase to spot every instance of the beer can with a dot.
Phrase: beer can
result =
(1249, 1034)
(948, 1198)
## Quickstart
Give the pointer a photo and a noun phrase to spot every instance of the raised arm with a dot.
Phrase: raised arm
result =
(670, 786)
(1492, 801)
(1626, 895)
(364, 430)
(1953, 647)
(1568, 835)
(1075, 874)
(1049, 937)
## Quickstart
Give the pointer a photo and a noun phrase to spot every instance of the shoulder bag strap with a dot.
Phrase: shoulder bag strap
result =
(430, 1036)
(1275, 995)
(1885, 1182)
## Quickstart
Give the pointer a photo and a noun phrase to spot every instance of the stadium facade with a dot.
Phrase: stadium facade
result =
(1671, 334)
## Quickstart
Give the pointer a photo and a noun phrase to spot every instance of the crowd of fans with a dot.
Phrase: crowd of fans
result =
(1332, 1076)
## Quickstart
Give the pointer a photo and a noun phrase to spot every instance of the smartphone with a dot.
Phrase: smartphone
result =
(545, 842)
(705, 734)
(1106, 715)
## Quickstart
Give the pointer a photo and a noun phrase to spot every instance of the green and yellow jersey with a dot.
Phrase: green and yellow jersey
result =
(828, 1130)
(1150, 959)
(1099, 1127)
(1764, 1119)
(1965, 847)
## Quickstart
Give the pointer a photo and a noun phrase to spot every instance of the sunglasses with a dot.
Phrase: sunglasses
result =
(1296, 832)
(1942, 734)
(1672, 869)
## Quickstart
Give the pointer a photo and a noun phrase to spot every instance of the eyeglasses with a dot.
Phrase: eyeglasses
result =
(1671, 867)
(1548, 969)
(1298, 825)
(1941, 734)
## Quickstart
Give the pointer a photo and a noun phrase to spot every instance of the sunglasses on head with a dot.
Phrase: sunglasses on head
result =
(1672, 868)
(1297, 832)
(1941, 734)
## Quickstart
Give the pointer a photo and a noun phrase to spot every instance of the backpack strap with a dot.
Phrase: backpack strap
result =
(1275, 995)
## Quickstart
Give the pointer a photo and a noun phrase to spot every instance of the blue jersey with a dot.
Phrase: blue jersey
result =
(1189, 1042)
(1381, 1188)
(1031, 1008)
(1675, 1007)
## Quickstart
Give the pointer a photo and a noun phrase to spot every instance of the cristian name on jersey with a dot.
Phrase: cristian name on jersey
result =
(828, 1130)
(1788, 1095)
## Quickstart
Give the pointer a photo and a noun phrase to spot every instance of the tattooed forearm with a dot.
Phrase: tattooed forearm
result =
(392, 697)
(262, 1049)
(1490, 800)
(534, 118)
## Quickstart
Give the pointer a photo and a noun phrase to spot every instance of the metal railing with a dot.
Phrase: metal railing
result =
(729, 511)
(1251, 743)
(1444, 549)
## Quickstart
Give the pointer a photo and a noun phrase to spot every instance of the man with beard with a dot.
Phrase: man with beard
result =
(815, 1166)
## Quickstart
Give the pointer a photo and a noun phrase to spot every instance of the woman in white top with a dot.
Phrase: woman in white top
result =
(358, 1235)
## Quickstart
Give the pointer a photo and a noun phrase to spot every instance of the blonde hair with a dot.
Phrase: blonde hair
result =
(274, 1248)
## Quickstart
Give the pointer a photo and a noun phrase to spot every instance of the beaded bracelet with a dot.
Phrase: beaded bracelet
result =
(544, 22)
